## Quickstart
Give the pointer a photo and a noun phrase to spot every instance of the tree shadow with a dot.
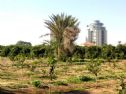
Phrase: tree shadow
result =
(76, 92)
(4, 91)
(73, 92)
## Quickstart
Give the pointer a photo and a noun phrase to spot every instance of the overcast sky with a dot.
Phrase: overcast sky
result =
(24, 19)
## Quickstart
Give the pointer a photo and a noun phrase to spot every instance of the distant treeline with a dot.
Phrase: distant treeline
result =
(80, 52)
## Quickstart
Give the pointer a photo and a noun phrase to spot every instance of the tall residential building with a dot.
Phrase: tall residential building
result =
(97, 33)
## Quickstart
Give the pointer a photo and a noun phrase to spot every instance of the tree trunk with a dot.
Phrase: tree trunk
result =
(59, 53)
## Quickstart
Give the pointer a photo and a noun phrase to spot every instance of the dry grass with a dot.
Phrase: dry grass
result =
(14, 77)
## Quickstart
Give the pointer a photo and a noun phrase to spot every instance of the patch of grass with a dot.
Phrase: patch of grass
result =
(43, 76)
(57, 83)
(65, 68)
(29, 74)
(120, 74)
(80, 62)
(80, 79)
(79, 89)
(111, 74)
(74, 80)
(19, 65)
(7, 75)
(17, 86)
(108, 77)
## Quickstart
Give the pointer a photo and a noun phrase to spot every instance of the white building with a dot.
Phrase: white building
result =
(97, 33)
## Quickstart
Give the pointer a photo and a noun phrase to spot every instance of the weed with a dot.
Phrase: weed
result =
(36, 83)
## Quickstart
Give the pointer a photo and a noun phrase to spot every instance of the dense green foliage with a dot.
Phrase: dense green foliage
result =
(80, 53)
(12, 51)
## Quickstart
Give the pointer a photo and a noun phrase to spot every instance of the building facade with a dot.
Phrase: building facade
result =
(97, 33)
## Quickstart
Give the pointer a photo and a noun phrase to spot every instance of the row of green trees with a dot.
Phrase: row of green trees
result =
(105, 52)
(80, 52)
(27, 51)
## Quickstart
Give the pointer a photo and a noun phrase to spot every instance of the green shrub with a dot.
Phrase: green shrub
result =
(86, 78)
(36, 83)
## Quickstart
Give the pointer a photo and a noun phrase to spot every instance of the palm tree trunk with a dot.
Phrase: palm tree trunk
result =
(59, 53)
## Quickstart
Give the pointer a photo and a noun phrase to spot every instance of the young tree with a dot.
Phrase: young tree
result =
(52, 65)
(94, 67)
(19, 59)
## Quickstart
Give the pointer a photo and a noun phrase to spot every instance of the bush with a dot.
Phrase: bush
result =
(86, 78)
(36, 83)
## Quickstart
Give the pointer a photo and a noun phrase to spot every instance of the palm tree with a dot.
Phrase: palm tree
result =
(58, 24)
